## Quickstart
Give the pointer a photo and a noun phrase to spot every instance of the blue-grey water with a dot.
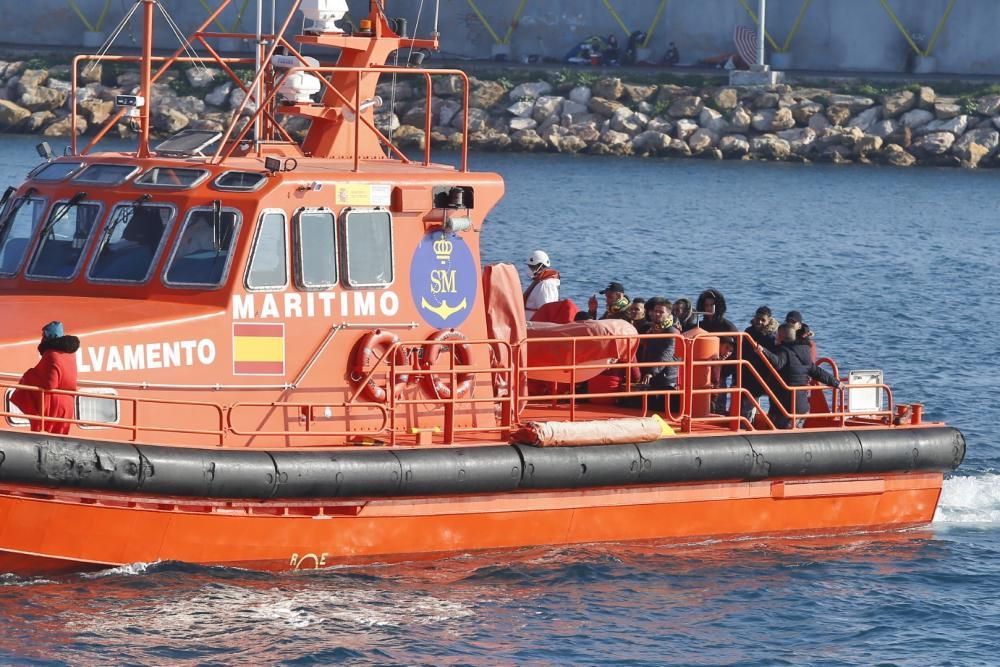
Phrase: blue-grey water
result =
(894, 269)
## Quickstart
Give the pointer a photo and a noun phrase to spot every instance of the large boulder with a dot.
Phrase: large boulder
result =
(988, 106)
(926, 97)
(546, 106)
(220, 94)
(975, 145)
(805, 110)
(897, 156)
(734, 145)
(531, 90)
(684, 128)
(637, 93)
(854, 103)
(31, 79)
(819, 122)
(477, 119)
(651, 142)
(521, 109)
(63, 127)
(956, 126)
(447, 112)
(581, 95)
(604, 107)
(610, 88)
(519, 124)
(935, 143)
(946, 110)
(916, 118)
(97, 111)
(201, 77)
(11, 114)
(587, 131)
(710, 119)
(883, 128)
(170, 121)
(664, 125)
(410, 136)
(770, 147)
(739, 120)
(866, 118)
(838, 114)
(901, 101)
(38, 120)
(42, 99)
(485, 94)
(725, 99)
(450, 84)
(528, 140)
(687, 106)
(702, 140)
(765, 100)
(627, 121)
(573, 108)
(618, 143)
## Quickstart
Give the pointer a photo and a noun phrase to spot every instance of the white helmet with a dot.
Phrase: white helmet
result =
(539, 258)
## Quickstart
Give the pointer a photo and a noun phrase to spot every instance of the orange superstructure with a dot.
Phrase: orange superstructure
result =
(290, 357)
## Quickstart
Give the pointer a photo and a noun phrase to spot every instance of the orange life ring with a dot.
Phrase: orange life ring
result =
(436, 386)
(372, 347)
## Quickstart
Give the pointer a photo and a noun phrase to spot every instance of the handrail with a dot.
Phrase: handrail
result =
(395, 415)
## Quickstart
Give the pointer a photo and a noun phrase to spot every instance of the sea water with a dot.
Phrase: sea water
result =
(894, 269)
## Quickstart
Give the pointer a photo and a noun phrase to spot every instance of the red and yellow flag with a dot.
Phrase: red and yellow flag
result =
(258, 349)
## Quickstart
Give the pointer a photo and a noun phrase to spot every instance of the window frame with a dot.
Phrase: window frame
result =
(253, 251)
(237, 228)
(205, 173)
(167, 229)
(31, 240)
(83, 251)
(215, 181)
(14, 418)
(345, 276)
(75, 178)
(106, 391)
(297, 256)
(33, 174)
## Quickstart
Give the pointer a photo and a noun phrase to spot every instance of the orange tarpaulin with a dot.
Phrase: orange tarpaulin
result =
(593, 346)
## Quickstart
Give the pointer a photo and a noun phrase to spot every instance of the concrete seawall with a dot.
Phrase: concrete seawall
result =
(568, 111)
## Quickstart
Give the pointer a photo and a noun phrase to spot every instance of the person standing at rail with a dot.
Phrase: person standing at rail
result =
(544, 286)
(712, 306)
(55, 370)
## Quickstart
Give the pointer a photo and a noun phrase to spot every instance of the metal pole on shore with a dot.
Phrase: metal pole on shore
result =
(761, 10)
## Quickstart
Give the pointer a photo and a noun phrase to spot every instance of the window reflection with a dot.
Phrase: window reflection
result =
(17, 226)
(131, 239)
(63, 239)
(202, 253)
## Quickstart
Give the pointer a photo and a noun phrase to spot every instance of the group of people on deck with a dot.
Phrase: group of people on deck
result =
(788, 347)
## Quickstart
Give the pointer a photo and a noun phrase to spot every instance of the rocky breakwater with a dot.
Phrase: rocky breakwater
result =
(610, 117)
(37, 100)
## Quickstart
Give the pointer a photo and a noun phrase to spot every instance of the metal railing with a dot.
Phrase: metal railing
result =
(339, 416)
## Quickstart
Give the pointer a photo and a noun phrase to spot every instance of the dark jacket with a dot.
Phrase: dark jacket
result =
(791, 359)
(652, 350)
(767, 341)
(718, 322)
(55, 370)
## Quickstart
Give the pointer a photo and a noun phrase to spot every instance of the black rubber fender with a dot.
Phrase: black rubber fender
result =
(801, 454)
(486, 469)
(331, 474)
(695, 459)
(910, 449)
(575, 467)
(55, 461)
(208, 473)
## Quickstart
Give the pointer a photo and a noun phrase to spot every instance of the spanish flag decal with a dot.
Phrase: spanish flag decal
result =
(258, 349)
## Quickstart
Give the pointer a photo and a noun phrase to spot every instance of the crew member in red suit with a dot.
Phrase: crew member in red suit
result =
(55, 370)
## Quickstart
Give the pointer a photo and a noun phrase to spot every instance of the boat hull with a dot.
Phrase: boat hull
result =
(49, 531)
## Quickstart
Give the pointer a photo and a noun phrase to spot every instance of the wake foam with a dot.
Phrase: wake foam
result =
(973, 499)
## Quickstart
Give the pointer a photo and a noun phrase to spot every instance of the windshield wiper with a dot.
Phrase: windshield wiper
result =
(217, 225)
(62, 211)
(125, 215)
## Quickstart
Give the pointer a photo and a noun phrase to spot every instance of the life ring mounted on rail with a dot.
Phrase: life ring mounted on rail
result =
(435, 385)
(371, 349)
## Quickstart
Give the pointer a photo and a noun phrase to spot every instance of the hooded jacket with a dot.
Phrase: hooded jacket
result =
(718, 321)
(55, 370)
(791, 360)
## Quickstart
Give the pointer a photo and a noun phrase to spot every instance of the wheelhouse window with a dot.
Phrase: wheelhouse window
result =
(316, 249)
(17, 226)
(55, 171)
(172, 177)
(203, 252)
(64, 238)
(240, 181)
(105, 174)
(131, 242)
(269, 264)
(368, 244)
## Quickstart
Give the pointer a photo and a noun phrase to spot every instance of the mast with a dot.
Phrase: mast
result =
(146, 75)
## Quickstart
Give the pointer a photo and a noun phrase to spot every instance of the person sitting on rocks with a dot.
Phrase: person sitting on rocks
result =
(615, 300)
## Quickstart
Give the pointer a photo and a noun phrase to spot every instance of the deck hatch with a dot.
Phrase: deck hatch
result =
(106, 174)
(240, 181)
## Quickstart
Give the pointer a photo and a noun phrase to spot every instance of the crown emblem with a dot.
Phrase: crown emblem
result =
(442, 249)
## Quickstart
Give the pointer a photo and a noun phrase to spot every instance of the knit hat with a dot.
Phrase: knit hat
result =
(793, 316)
(52, 330)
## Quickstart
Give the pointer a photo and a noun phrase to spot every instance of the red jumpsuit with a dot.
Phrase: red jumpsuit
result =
(55, 370)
